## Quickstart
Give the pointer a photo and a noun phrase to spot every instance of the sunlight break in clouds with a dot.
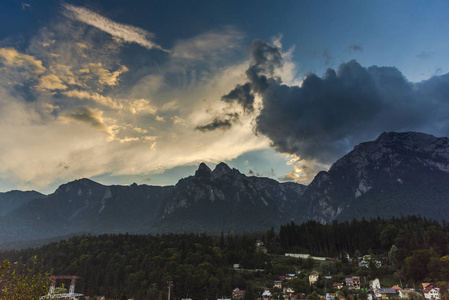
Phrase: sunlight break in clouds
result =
(127, 33)
(83, 119)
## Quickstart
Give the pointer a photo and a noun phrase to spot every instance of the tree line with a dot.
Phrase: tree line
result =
(201, 265)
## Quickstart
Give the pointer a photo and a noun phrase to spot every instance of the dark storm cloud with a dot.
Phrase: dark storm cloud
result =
(241, 95)
(265, 58)
(325, 117)
(224, 123)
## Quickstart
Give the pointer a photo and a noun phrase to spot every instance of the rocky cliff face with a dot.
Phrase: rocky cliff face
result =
(398, 173)
(226, 200)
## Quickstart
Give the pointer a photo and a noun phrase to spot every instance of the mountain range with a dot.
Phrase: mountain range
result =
(397, 174)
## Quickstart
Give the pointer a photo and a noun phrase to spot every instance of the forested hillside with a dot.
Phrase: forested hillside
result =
(412, 249)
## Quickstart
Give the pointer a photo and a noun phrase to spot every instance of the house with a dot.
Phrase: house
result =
(266, 294)
(330, 296)
(348, 282)
(238, 294)
(290, 276)
(278, 284)
(313, 278)
(353, 283)
(431, 292)
(356, 282)
(337, 285)
(288, 290)
(397, 288)
(374, 284)
(387, 293)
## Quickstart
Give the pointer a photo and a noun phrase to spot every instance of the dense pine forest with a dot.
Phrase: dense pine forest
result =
(200, 266)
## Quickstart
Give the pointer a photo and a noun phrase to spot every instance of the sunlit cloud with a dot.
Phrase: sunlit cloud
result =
(106, 77)
(11, 57)
(51, 82)
(133, 106)
(96, 130)
(303, 170)
(127, 33)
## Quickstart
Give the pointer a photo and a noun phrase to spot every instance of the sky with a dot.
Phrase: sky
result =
(144, 91)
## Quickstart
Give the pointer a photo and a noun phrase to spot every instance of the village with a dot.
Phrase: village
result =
(351, 288)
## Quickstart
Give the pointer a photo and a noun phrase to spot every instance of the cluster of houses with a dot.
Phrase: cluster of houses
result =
(366, 260)
(337, 291)
(352, 284)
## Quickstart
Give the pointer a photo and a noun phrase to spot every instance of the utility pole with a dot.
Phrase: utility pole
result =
(169, 288)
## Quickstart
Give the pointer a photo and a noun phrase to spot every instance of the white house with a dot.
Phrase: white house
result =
(431, 292)
(313, 278)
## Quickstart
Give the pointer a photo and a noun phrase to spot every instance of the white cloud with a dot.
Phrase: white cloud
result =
(127, 33)
(51, 82)
(208, 44)
(141, 105)
(100, 99)
(65, 74)
(11, 57)
(133, 106)
(105, 77)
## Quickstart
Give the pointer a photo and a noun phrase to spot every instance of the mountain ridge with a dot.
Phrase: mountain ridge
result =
(214, 201)
(396, 174)
(393, 164)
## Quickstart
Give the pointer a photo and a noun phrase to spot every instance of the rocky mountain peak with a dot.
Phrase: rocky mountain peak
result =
(390, 147)
(77, 185)
(223, 169)
(390, 168)
(203, 171)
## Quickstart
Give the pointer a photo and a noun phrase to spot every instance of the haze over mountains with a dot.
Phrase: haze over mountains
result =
(397, 174)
